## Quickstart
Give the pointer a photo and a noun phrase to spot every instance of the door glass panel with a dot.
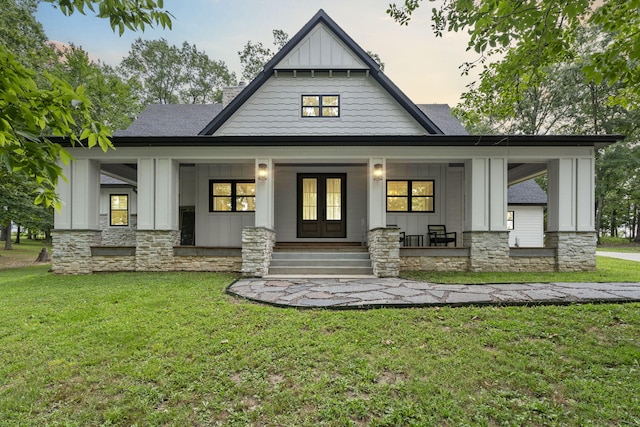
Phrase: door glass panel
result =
(309, 199)
(334, 199)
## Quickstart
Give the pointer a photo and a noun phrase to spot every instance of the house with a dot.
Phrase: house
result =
(320, 149)
(525, 214)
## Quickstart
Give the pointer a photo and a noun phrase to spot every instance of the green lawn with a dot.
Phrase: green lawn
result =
(173, 349)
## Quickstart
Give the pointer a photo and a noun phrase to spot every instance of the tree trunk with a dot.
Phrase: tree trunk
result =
(3, 235)
(7, 233)
(18, 236)
(43, 256)
(613, 230)
(599, 204)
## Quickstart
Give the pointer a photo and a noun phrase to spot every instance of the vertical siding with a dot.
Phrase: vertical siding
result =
(365, 109)
(220, 229)
(286, 200)
(187, 193)
(528, 231)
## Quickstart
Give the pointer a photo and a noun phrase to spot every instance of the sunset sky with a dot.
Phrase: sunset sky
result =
(426, 68)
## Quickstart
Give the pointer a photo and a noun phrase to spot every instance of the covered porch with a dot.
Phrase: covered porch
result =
(467, 194)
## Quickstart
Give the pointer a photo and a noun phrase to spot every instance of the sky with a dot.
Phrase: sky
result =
(424, 67)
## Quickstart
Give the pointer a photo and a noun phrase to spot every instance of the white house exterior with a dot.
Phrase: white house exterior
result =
(525, 215)
(320, 148)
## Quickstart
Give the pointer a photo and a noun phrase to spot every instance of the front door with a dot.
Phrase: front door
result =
(322, 205)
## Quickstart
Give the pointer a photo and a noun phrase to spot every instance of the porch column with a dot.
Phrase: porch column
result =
(264, 215)
(77, 223)
(377, 212)
(571, 221)
(485, 224)
(157, 227)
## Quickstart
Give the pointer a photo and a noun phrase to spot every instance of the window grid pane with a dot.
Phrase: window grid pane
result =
(410, 196)
(334, 199)
(119, 207)
(309, 199)
(232, 196)
(320, 106)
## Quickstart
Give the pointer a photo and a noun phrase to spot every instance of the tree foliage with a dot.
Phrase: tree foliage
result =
(167, 74)
(254, 56)
(35, 103)
(526, 37)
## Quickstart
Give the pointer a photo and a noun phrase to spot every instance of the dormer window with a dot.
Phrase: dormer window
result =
(320, 105)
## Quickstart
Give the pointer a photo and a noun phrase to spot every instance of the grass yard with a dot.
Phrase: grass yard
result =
(174, 349)
(23, 253)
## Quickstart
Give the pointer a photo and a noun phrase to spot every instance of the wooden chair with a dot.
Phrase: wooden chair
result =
(438, 235)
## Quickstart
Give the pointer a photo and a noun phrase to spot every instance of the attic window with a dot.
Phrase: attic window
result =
(320, 105)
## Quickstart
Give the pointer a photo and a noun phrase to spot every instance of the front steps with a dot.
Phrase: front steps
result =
(325, 262)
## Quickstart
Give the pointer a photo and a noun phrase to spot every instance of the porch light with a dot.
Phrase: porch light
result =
(262, 171)
(377, 172)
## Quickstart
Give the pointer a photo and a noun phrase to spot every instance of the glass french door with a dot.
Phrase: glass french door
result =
(322, 205)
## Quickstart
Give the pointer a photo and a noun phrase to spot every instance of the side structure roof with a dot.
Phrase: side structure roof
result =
(526, 193)
(374, 69)
(171, 120)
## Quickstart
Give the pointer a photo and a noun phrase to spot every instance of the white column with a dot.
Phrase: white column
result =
(85, 194)
(485, 194)
(585, 196)
(498, 194)
(476, 209)
(377, 212)
(146, 194)
(62, 216)
(571, 195)
(166, 194)
(561, 195)
(264, 215)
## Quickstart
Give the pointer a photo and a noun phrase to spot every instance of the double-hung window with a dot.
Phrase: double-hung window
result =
(232, 196)
(119, 210)
(320, 105)
(510, 220)
(410, 196)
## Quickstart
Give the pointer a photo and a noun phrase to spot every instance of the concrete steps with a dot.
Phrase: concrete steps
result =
(320, 262)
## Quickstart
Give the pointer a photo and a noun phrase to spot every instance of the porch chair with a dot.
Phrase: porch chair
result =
(438, 235)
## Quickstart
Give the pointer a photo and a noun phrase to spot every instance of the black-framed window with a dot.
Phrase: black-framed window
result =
(119, 210)
(410, 196)
(320, 106)
(232, 196)
(511, 217)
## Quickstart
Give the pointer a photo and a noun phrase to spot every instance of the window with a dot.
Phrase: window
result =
(510, 219)
(232, 196)
(320, 105)
(410, 196)
(119, 210)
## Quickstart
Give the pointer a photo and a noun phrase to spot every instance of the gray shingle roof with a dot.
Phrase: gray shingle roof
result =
(172, 120)
(440, 114)
(190, 119)
(527, 193)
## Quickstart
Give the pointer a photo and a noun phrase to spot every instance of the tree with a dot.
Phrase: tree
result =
(114, 102)
(34, 105)
(529, 36)
(255, 55)
(165, 74)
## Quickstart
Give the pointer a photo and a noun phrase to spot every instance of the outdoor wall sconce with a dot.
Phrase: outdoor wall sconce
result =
(262, 171)
(377, 172)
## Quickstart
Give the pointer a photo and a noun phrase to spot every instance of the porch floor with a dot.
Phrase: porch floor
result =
(361, 292)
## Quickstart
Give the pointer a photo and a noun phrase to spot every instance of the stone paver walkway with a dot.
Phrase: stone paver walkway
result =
(396, 292)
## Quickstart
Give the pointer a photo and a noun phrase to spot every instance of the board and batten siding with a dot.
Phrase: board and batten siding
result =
(448, 193)
(220, 229)
(528, 230)
(365, 108)
(286, 201)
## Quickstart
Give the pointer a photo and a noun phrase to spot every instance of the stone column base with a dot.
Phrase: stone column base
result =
(154, 249)
(488, 250)
(575, 250)
(71, 253)
(384, 249)
(257, 247)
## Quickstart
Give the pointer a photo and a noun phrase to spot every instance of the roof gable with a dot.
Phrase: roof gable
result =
(322, 27)
(321, 49)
